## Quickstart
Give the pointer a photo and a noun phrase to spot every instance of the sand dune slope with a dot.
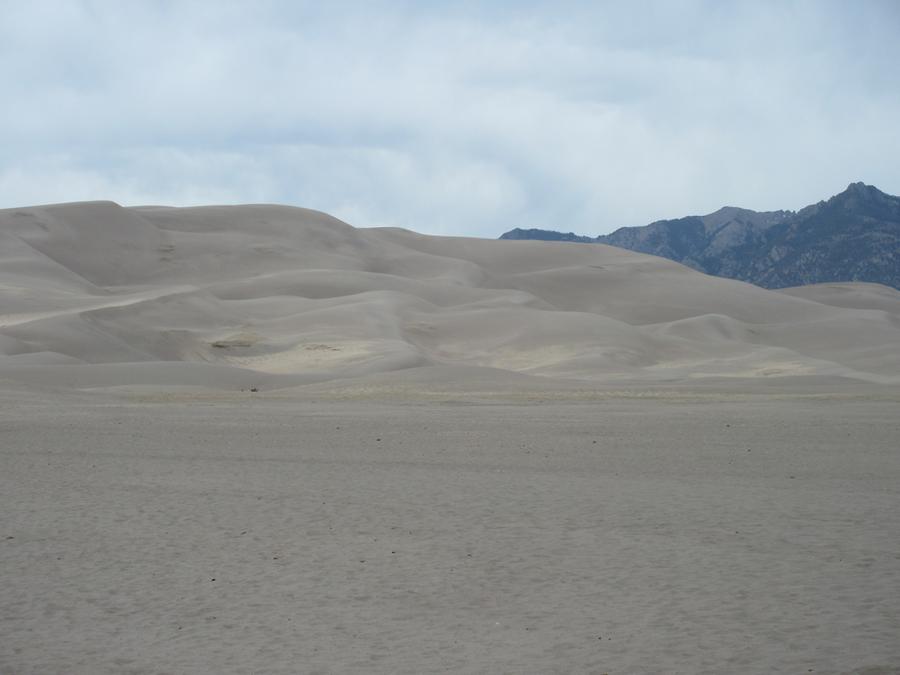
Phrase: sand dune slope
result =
(94, 294)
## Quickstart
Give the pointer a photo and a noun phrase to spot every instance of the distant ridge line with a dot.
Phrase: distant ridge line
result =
(853, 236)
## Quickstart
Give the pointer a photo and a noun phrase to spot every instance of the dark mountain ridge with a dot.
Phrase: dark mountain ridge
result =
(854, 236)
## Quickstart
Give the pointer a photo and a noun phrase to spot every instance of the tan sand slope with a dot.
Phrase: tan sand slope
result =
(96, 295)
(284, 534)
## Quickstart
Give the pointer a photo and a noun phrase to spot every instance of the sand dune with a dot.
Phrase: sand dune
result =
(461, 455)
(285, 296)
(852, 295)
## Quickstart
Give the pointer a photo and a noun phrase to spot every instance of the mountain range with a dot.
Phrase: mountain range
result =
(854, 236)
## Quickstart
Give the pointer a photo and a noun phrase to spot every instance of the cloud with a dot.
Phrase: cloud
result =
(449, 118)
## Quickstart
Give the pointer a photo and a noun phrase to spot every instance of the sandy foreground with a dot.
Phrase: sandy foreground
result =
(641, 531)
(255, 439)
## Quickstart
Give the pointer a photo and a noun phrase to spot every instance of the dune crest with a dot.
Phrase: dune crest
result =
(95, 294)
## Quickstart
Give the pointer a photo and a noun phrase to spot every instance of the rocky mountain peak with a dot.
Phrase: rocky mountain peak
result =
(865, 201)
(853, 236)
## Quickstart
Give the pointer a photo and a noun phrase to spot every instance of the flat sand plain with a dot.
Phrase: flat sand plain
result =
(641, 531)
(258, 440)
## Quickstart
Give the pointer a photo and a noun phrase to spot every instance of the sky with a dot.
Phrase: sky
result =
(459, 118)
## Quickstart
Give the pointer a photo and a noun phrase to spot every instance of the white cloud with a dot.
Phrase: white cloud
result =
(471, 120)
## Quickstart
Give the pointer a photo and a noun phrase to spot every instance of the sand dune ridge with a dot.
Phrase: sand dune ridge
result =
(291, 296)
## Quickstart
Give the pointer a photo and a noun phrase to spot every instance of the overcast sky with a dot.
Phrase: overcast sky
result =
(451, 117)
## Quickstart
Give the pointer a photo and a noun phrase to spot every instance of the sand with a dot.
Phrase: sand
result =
(96, 295)
(461, 455)
(660, 532)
